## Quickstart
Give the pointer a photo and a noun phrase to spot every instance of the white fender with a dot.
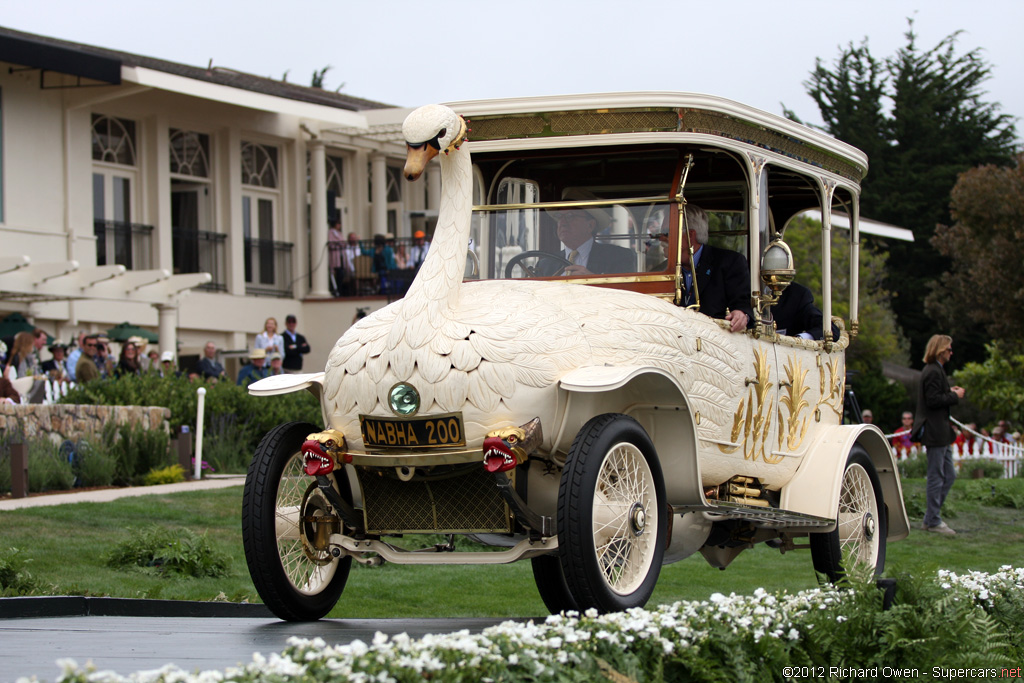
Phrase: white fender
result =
(814, 489)
(653, 397)
(286, 384)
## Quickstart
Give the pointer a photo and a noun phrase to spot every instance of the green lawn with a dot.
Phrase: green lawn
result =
(66, 546)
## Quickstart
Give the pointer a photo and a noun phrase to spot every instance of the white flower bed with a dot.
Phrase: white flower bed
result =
(547, 650)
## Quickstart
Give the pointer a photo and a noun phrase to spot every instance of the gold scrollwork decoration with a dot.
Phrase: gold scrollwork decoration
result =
(753, 416)
(830, 383)
(792, 424)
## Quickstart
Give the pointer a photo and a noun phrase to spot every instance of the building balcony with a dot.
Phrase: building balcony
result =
(124, 244)
(268, 268)
(199, 251)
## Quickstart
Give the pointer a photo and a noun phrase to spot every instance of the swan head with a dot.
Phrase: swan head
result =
(428, 131)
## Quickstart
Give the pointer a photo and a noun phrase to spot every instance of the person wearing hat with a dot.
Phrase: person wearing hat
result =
(275, 365)
(254, 370)
(577, 227)
(418, 250)
(57, 368)
(295, 346)
(867, 417)
(167, 368)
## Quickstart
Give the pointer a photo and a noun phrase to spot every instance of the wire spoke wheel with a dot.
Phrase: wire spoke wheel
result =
(624, 504)
(286, 524)
(858, 518)
(611, 515)
(308, 569)
(858, 542)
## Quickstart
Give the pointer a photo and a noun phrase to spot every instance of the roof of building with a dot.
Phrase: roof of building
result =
(102, 64)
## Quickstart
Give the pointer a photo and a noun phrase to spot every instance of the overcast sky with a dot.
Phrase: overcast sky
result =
(410, 53)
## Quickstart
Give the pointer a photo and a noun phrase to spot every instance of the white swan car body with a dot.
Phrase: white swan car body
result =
(587, 421)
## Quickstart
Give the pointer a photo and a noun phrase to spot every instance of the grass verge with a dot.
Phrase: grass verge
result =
(65, 549)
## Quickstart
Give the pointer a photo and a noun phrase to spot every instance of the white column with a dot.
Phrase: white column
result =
(379, 179)
(159, 193)
(230, 209)
(168, 328)
(318, 256)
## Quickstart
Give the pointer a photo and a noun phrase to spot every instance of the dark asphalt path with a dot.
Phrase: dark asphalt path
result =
(31, 646)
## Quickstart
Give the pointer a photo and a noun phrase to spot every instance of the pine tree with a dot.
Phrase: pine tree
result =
(922, 119)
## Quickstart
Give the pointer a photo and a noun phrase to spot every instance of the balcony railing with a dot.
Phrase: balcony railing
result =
(199, 251)
(268, 268)
(123, 244)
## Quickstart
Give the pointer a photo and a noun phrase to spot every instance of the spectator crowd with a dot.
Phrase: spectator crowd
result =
(26, 377)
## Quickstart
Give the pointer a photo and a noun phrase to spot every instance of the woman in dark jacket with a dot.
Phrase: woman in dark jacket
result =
(934, 399)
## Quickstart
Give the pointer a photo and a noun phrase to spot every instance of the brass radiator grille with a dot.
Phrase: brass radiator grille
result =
(458, 504)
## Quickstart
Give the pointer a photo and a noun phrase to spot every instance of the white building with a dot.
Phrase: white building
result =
(171, 170)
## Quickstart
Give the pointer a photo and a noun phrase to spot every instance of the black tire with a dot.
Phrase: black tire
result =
(296, 581)
(547, 574)
(862, 523)
(611, 515)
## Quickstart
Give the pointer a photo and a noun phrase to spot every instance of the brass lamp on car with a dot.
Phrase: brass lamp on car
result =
(777, 271)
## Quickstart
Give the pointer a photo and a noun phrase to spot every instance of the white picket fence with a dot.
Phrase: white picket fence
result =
(983, 447)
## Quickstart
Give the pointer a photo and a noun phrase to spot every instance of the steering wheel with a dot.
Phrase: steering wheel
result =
(518, 259)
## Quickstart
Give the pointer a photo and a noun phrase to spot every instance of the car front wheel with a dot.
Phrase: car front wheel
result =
(612, 517)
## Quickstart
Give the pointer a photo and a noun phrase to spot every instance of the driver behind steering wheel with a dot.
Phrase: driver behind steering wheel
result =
(576, 230)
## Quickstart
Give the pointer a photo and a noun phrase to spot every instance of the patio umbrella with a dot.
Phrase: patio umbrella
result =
(126, 331)
(15, 323)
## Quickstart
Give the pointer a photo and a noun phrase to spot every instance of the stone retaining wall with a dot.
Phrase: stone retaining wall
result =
(61, 422)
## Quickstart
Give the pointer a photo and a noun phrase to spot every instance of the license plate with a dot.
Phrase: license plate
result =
(436, 431)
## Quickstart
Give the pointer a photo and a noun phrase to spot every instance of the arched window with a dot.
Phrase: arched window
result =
(190, 153)
(259, 165)
(113, 140)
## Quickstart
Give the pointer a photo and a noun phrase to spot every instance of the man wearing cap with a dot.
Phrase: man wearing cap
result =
(254, 370)
(167, 368)
(295, 345)
(275, 365)
(577, 228)
(418, 250)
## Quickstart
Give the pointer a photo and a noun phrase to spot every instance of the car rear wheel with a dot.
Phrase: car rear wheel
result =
(611, 515)
(285, 521)
(547, 574)
(859, 537)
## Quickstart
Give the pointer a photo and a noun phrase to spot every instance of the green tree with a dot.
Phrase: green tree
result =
(317, 81)
(985, 285)
(997, 384)
(879, 338)
(921, 117)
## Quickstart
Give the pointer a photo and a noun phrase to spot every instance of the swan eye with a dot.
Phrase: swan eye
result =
(441, 133)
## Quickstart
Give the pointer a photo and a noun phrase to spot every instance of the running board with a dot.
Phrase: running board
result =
(525, 548)
(772, 518)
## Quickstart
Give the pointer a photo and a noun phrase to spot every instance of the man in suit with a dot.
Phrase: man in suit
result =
(795, 314)
(723, 277)
(934, 399)
(295, 346)
(586, 256)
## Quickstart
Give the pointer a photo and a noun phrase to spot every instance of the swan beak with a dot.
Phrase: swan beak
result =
(416, 160)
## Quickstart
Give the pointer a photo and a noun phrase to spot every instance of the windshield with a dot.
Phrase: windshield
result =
(577, 214)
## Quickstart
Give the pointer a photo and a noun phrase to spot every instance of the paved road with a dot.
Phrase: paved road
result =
(105, 495)
(31, 647)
